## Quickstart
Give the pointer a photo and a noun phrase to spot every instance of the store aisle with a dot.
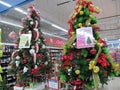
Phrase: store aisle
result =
(113, 84)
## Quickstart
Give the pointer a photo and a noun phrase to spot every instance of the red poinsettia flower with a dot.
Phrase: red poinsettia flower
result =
(96, 28)
(78, 2)
(102, 60)
(102, 42)
(66, 63)
(84, 3)
(65, 57)
(35, 70)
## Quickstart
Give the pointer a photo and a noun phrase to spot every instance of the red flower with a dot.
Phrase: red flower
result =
(78, 2)
(35, 70)
(38, 55)
(65, 57)
(96, 28)
(102, 42)
(71, 57)
(84, 3)
(102, 60)
(58, 67)
(66, 63)
(90, 2)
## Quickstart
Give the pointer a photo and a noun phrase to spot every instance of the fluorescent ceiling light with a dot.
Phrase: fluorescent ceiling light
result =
(9, 23)
(58, 27)
(46, 21)
(6, 4)
(17, 9)
(54, 25)
(21, 11)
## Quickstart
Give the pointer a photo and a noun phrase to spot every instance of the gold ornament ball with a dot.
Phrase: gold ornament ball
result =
(81, 12)
(77, 72)
(80, 24)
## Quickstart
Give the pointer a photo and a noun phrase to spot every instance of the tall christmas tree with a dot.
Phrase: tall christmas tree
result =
(86, 60)
(30, 58)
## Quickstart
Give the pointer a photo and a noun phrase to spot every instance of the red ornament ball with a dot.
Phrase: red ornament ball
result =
(25, 61)
(93, 51)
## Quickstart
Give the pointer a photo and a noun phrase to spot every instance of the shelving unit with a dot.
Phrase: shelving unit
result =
(54, 53)
(4, 62)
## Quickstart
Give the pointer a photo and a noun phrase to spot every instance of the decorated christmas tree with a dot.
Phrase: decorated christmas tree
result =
(86, 59)
(30, 59)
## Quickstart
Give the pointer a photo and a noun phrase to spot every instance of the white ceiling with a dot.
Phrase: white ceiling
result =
(108, 19)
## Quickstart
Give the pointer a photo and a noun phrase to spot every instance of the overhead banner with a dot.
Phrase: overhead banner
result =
(54, 42)
(85, 37)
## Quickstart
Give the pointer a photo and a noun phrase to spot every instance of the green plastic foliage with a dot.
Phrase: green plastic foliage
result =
(86, 12)
(84, 52)
(63, 77)
(81, 19)
(106, 50)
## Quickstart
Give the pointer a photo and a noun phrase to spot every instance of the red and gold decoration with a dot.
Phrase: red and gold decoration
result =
(86, 67)
(31, 61)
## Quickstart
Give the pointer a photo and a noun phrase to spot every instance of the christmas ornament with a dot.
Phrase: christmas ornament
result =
(30, 32)
(77, 72)
(31, 22)
(25, 69)
(35, 70)
(93, 51)
(46, 63)
(17, 57)
(32, 51)
(81, 12)
(96, 69)
(91, 64)
(17, 63)
(25, 60)
(78, 84)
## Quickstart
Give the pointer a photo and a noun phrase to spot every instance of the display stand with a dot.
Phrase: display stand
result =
(39, 86)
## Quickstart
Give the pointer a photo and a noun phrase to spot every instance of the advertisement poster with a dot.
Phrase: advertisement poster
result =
(53, 84)
(85, 37)
(25, 40)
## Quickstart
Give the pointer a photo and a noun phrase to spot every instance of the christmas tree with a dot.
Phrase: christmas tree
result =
(30, 59)
(86, 62)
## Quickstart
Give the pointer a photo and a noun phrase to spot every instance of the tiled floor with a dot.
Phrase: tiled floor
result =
(113, 84)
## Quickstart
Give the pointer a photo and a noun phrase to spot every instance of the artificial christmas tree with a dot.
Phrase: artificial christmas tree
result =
(29, 59)
(86, 60)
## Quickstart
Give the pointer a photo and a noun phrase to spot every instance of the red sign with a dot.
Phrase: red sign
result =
(54, 41)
